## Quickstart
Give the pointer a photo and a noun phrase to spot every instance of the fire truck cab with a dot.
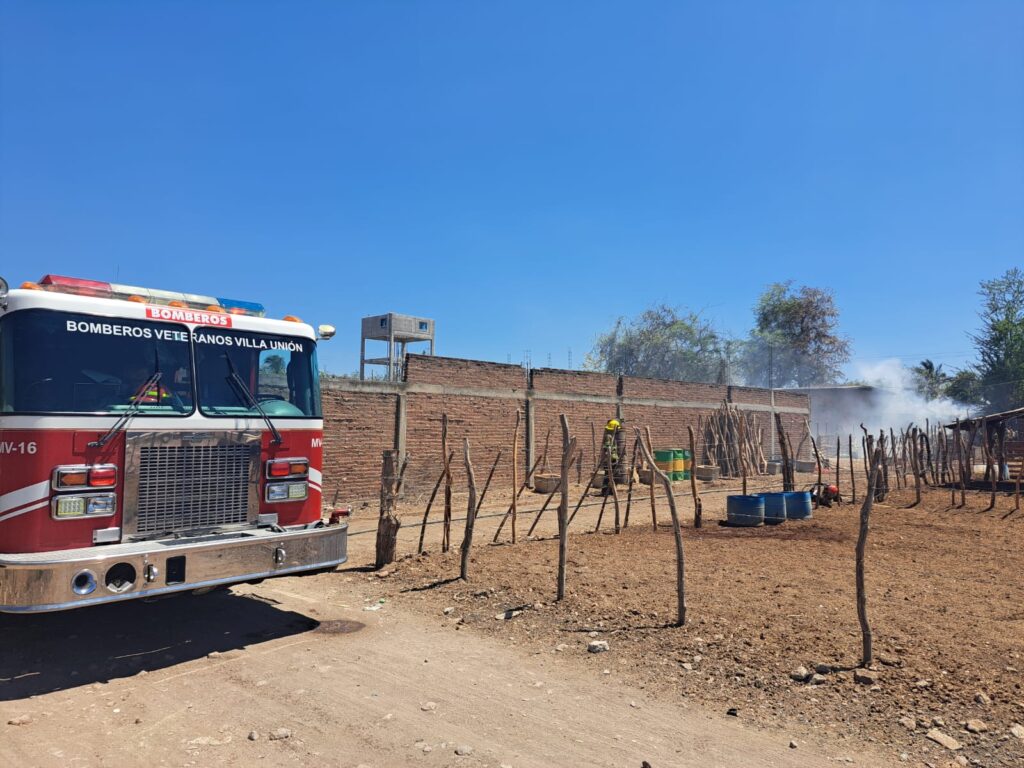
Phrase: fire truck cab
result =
(154, 442)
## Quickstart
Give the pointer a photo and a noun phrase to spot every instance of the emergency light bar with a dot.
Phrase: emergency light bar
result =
(75, 285)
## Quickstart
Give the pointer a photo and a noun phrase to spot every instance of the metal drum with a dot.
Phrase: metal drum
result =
(747, 511)
(798, 505)
(774, 508)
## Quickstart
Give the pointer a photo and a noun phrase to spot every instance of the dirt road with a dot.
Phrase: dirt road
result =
(187, 681)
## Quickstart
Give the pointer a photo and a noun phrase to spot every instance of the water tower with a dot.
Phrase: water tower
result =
(397, 331)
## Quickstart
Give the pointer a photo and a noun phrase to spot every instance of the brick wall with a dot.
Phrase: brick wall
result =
(358, 427)
(750, 396)
(683, 391)
(452, 371)
(361, 419)
(575, 382)
(488, 423)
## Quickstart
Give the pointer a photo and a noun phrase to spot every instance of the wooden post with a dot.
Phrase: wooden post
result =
(467, 537)
(487, 483)
(862, 539)
(895, 459)
(743, 453)
(430, 503)
(839, 449)
(508, 512)
(885, 469)
(698, 512)
(387, 523)
(960, 463)
(1016, 490)
(547, 501)
(586, 490)
(447, 528)
(853, 480)
(515, 472)
(568, 449)
(787, 465)
(629, 491)
(988, 437)
(600, 514)
(915, 464)
(817, 459)
(650, 452)
(677, 532)
(611, 484)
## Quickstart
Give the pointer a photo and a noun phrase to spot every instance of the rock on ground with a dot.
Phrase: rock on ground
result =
(943, 739)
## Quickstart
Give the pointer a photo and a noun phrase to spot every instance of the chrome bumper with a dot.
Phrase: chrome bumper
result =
(46, 581)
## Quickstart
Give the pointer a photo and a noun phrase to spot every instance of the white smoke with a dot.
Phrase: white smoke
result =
(897, 402)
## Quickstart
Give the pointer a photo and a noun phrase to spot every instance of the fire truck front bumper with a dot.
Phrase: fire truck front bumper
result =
(54, 581)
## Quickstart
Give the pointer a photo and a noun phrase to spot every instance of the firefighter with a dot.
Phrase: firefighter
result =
(152, 395)
(613, 442)
(826, 495)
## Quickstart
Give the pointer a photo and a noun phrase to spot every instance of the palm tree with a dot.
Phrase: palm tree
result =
(930, 379)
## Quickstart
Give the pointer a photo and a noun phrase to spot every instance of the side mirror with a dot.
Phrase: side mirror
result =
(3, 293)
(325, 332)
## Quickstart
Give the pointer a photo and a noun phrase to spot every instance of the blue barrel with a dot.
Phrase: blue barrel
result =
(745, 510)
(798, 505)
(774, 508)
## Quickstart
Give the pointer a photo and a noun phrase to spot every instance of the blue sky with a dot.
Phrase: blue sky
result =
(524, 172)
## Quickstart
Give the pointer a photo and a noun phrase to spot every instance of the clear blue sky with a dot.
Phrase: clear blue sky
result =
(523, 172)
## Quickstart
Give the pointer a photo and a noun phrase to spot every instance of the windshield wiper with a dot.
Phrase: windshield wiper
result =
(235, 379)
(130, 412)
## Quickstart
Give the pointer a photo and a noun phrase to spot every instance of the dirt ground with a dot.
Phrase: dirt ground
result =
(355, 668)
(945, 600)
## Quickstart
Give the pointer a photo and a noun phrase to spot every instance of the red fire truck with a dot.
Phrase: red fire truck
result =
(154, 442)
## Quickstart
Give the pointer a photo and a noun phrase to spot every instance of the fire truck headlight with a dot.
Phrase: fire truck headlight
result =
(101, 505)
(69, 506)
(81, 505)
(277, 492)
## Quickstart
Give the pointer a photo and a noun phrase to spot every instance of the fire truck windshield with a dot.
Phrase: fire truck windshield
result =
(279, 372)
(57, 362)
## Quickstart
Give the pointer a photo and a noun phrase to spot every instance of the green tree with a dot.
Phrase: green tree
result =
(795, 341)
(664, 343)
(964, 386)
(930, 380)
(273, 364)
(1000, 342)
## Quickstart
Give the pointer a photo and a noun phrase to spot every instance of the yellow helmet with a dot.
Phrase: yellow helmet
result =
(613, 424)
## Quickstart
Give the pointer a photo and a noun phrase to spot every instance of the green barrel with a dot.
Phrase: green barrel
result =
(663, 459)
(678, 464)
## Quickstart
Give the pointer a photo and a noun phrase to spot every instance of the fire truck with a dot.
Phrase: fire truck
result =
(154, 442)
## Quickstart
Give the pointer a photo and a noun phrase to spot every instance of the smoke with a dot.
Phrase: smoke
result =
(896, 401)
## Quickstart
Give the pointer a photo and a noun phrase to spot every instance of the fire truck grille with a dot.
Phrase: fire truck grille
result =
(188, 487)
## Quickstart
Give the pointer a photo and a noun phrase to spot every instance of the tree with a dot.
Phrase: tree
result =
(795, 341)
(1000, 343)
(273, 364)
(964, 386)
(664, 343)
(930, 380)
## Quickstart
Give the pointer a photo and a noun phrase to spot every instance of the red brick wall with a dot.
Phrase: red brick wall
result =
(581, 415)
(661, 389)
(792, 399)
(487, 422)
(451, 371)
(668, 425)
(358, 427)
(750, 395)
(575, 382)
